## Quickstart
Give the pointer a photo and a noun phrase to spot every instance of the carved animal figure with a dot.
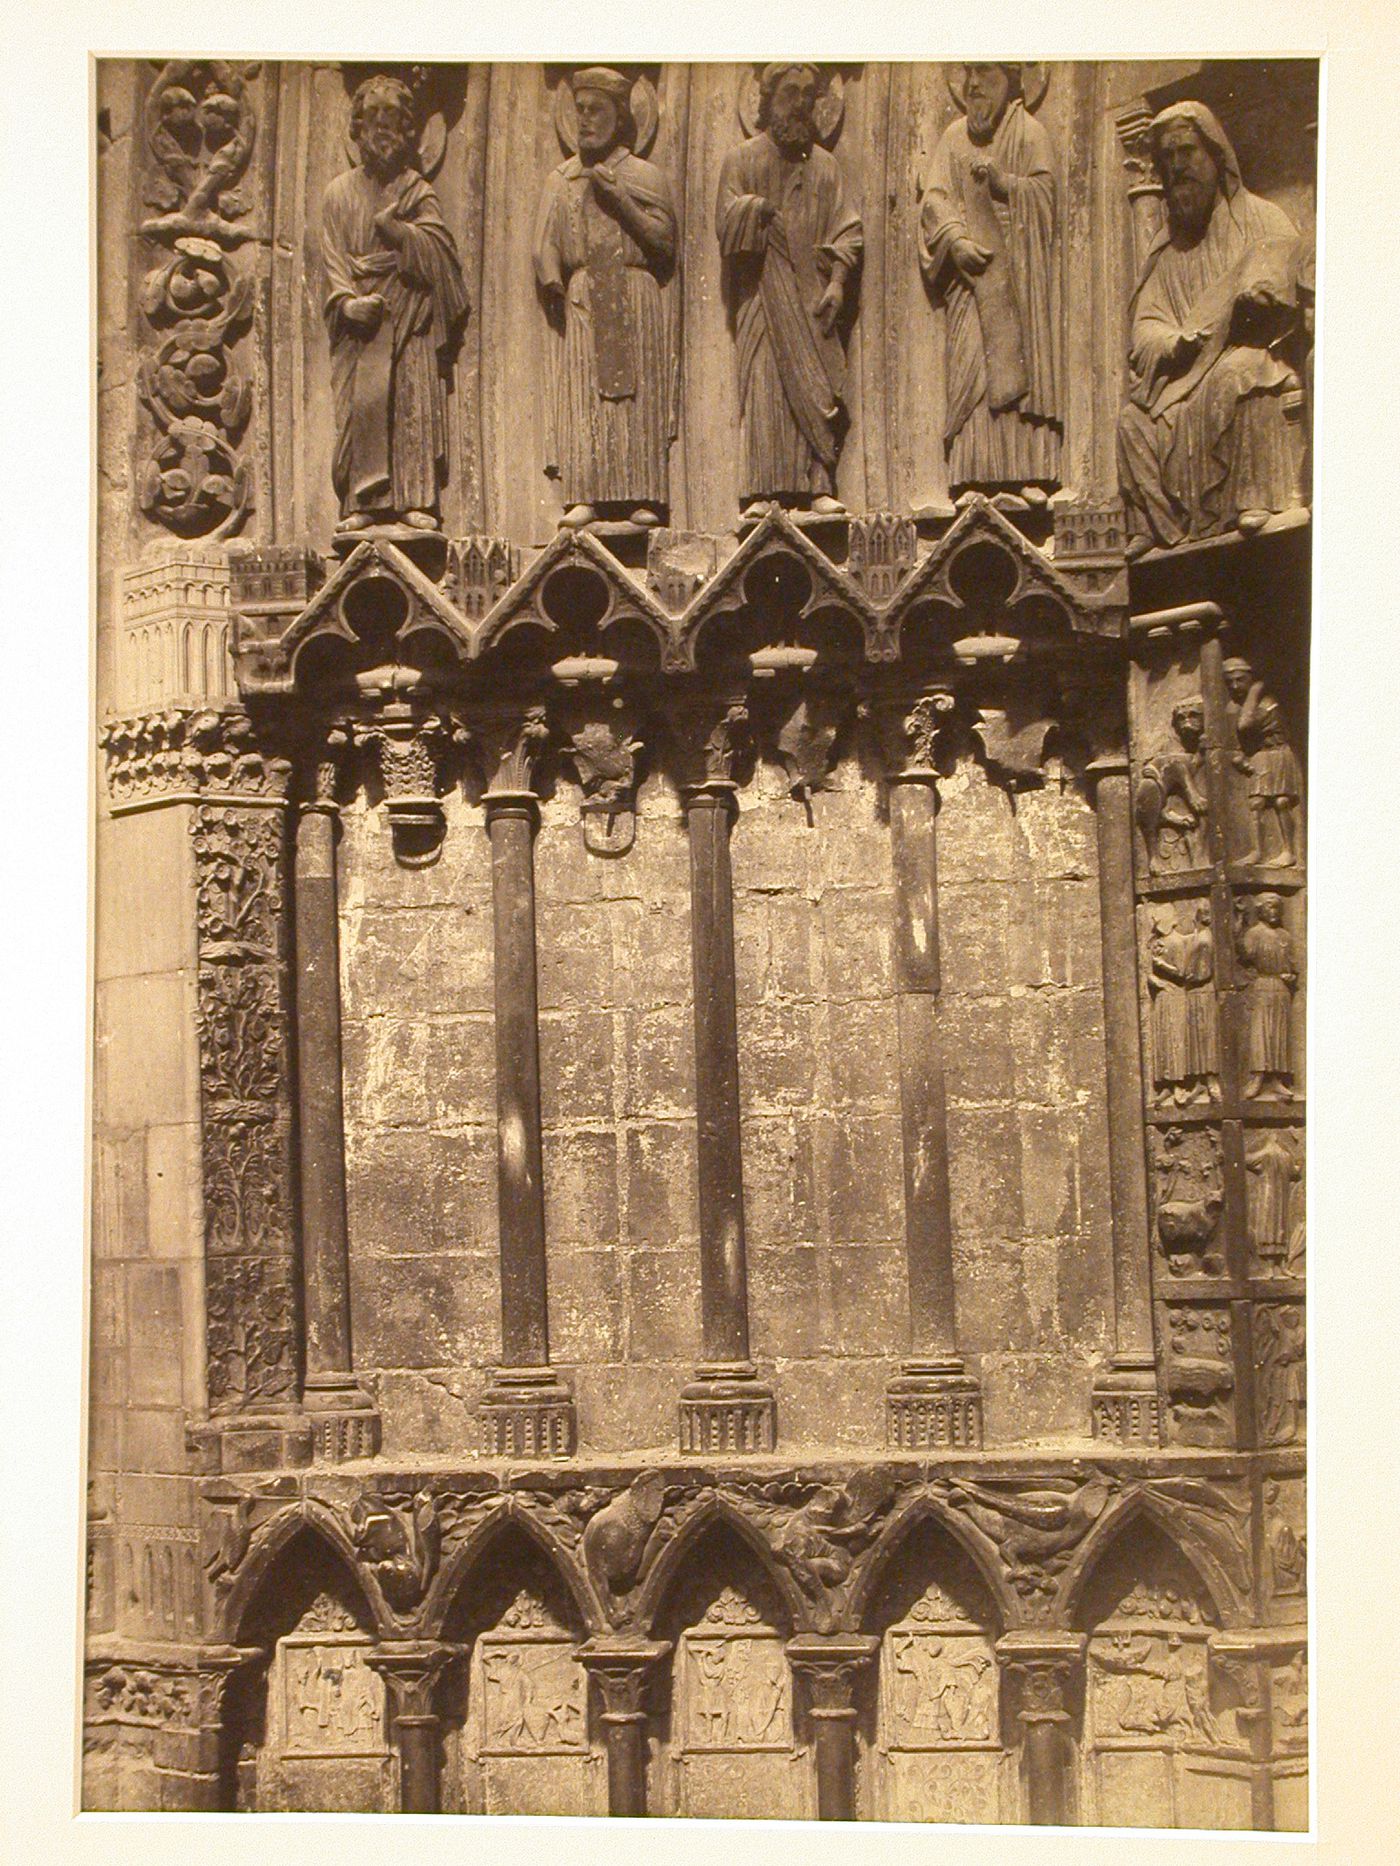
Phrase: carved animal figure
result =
(615, 1541)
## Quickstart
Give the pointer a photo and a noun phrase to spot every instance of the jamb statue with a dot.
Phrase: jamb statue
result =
(793, 244)
(394, 306)
(987, 246)
(605, 247)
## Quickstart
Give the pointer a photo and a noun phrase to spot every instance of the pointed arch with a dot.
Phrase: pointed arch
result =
(509, 1517)
(1143, 1505)
(675, 1558)
(269, 1544)
(874, 1569)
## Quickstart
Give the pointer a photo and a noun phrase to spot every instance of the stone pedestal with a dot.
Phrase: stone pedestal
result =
(527, 1412)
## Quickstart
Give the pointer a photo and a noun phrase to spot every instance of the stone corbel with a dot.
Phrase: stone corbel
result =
(604, 753)
(412, 743)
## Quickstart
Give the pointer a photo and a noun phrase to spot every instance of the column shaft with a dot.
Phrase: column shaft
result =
(323, 1233)
(723, 1270)
(520, 1172)
(835, 1732)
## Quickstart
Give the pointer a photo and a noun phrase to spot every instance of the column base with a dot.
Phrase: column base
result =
(727, 1408)
(344, 1422)
(933, 1405)
(1126, 1407)
(528, 1412)
(251, 1442)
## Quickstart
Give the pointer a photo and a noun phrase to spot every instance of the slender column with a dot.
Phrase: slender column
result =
(622, 1670)
(1126, 1406)
(726, 1408)
(345, 1422)
(526, 1410)
(410, 1670)
(1043, 1668)
(933, 1400)
(831, 1667)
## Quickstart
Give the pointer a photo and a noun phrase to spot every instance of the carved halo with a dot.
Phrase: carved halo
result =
(1035, 77)
(646, 114)
(830, 108)
(430, 143)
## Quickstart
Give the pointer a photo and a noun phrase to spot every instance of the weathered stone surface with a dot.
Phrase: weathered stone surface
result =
(720, 952)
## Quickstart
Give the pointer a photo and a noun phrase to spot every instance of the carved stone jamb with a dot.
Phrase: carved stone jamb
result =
(623, 1670)
(244, 1018)
(831, 1664)
(410, 1669)
(411, 743)
(1125, 1403)
(726, 1408)
(933, 1400)
(1144, 187)
(1249, 1657)
(1045, 1670)
(189, 1754)
(343, 1417)
(526, 1410)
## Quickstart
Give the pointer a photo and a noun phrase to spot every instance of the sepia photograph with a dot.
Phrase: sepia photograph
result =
(698, 1051)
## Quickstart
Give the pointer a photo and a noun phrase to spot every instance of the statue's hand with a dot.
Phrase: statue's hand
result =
(364, 314)
(995, 180)
(389, 227)
(1187, 346)
(970, 258)
(829, 308)
(605, 185)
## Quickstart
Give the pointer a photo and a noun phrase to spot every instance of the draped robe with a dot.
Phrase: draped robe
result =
(613, 379)
(791, 376)
(1003, 420)
(1198, 446)
(389, 387)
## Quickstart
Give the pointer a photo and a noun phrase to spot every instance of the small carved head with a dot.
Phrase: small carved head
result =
(382, 125)
(1189, 721)
(602, 101)
(787, 104)
(987, 94)
(1269, 908)
(1239, 677)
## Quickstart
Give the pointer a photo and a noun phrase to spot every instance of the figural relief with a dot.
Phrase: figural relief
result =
(1180, 983)
(939, 1678)
(1170, 801)
(533, 1690)
(988, 248)
(735, 1680)
(1273, 1202)
(1274, 784)
(1265, 950)
(1188, 1195)
(605, 247)
(1208, 441)
(793, 242)
(395, 303)
(1200, 1374)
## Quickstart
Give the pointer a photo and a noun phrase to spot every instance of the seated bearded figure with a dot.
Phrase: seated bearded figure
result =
(1210, 440)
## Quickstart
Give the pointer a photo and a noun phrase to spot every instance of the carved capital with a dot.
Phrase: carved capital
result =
(412, 745)
(806, 738)
(180, 753)
(512, 744)
(623, 1671)
(410, 1668)
(914, 733)
(831, 1665)
(1044, 1671)
(714, 739)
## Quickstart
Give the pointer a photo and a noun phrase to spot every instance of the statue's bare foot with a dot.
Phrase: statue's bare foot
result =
(356, 521)
(827, 507)
(1036, 497)
(754, 510)
(1253, 1087)
(421, 521)
(645, 515)
(1009, 502)
(578, 516)
(1252, 520)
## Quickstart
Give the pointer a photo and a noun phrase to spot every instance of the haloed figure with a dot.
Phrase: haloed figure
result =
(605, 246)
(394, 307)
(987, 245)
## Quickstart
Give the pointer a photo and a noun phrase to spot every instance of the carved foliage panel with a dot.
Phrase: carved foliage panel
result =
(244, 1051)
